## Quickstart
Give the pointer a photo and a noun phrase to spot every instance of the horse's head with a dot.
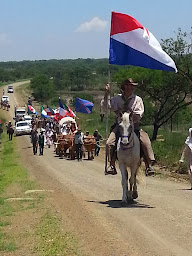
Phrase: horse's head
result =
(126, 128)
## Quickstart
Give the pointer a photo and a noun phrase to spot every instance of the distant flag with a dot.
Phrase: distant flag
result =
(62, 105)
(132, 44)
(44, 113)
(31, 110)
(71, 113)
(50, 111)
(63, 112)
(83, 106)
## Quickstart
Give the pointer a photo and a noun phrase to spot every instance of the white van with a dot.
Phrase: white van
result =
(10, 89)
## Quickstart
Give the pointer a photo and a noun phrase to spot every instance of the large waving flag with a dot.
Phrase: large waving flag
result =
(31, 110)
(83, 106)
(132, 44)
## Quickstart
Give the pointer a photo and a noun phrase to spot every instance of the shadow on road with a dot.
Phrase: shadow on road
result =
(118, 204)
(185, 189)
(28, 147)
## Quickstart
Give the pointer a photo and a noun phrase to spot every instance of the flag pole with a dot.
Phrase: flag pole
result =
(106, 122)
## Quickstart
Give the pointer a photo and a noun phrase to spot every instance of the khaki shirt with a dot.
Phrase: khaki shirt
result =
(134, 104)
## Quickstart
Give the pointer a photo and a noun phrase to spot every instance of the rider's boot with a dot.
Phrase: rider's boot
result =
(112, 152)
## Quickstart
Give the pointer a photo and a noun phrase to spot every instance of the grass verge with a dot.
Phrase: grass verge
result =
(27, 225)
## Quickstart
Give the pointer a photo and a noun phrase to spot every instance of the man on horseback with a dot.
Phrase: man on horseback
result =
(128, 102)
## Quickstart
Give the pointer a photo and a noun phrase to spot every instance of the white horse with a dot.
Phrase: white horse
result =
(128, 153)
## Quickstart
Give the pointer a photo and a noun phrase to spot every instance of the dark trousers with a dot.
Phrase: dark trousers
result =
(35, 147)
(97, 148)
(78, 149)
(10, 136)
(41, 149)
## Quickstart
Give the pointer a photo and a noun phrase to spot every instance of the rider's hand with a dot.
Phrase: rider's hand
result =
(107, 87)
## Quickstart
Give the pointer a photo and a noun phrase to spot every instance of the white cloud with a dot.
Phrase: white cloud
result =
(95, 24)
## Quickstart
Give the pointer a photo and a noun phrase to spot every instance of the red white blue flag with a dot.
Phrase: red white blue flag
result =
(31, 110)
(132, 44)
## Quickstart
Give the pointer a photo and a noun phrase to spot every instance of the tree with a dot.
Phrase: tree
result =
(42, 87)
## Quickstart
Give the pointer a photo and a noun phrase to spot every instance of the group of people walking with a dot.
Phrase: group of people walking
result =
(37, 140)
(47, 137)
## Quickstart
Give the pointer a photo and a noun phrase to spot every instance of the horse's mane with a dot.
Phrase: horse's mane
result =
(125, 118)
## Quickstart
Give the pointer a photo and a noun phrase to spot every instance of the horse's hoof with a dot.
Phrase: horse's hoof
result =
(130, 201)
(135, 195)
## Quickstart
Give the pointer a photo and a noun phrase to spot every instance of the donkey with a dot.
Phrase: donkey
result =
(128, 154)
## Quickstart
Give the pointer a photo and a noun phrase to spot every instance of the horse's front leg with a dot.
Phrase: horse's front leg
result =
(133, 184)
(124, 182)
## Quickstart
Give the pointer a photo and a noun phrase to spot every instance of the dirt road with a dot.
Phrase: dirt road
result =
(89, 203)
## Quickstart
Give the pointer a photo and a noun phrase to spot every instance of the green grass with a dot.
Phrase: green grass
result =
(11, 171)
(51, 241)
(168, 152)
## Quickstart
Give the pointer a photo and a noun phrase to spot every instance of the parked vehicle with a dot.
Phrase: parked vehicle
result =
(10, 89)
(22, 127)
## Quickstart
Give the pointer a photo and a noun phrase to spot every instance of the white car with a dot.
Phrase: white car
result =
(10, 89)
(28, 119)
(5, 98)
(22, 127)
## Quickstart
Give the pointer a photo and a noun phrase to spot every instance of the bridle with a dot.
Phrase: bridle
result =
(130, 142)
(129, 137)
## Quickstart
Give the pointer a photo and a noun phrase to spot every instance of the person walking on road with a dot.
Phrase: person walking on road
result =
(78, 144)
(41, 143)
(97, 137)
(34, 139)
(10, 130)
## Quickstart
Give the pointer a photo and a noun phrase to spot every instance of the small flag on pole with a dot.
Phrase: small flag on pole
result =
(83, 106)
(62, 105)
(31, 110)
(44, 113)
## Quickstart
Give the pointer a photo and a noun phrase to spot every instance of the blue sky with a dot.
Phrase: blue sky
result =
(70, 29)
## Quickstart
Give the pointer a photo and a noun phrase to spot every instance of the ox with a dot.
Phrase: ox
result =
(64, 143)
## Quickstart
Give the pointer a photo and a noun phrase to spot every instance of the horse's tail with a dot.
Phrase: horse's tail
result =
(141, 179)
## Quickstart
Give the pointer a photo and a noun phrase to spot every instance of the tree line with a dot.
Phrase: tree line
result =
(166, 95)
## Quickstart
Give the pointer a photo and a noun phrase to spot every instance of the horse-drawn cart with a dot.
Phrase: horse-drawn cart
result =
(64, 145)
